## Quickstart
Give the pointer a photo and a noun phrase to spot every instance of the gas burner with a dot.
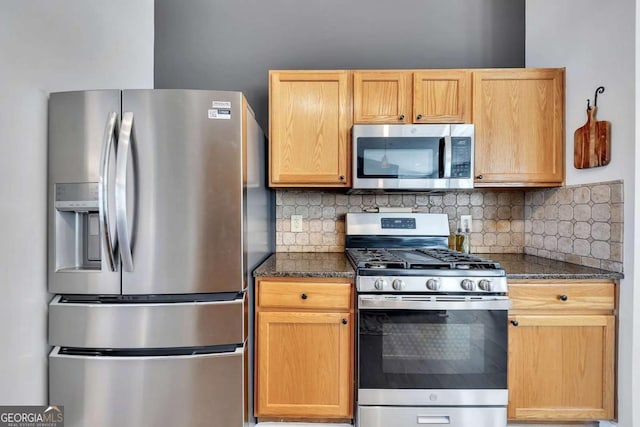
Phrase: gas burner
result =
(460, 260)
(375, 258)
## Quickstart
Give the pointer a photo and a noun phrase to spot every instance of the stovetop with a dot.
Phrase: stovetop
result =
(407, 252)
(417, 258)
(425, 270)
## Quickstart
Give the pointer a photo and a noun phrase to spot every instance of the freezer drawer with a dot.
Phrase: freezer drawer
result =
(146, 325)
(151, 391)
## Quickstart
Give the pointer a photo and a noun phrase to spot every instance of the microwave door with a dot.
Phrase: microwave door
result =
(406, 158)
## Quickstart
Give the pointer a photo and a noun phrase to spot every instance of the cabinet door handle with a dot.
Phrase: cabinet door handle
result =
(345, 321)
(419, 116)
(304, 296)
(564, 297)
(341, 177)
(479, 177)
(515, 323)
(401, 117)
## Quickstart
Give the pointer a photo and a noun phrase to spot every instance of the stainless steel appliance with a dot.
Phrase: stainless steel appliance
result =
(412, 157)
(432, 325)
(157, 213)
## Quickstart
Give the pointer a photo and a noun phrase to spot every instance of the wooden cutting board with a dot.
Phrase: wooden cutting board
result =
(592, 143)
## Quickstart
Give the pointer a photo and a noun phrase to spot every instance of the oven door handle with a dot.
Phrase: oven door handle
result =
(369, 302)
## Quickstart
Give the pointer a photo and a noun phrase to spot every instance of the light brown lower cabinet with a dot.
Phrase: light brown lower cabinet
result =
(304, 349)
(562, 357)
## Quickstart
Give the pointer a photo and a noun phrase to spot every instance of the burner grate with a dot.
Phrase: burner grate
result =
(433, 258)
(375, 258)
(459, 260)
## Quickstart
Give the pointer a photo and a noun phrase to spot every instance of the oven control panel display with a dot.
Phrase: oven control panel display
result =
(400, 223)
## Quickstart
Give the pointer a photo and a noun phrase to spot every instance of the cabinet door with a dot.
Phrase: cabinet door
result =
(519, 127)
(304, 365)
(309, 128)
(442, 96)
(382, 97)
(561, 367)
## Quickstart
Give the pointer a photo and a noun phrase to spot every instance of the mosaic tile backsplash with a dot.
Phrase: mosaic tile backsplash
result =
(498, 217)
(579, 224)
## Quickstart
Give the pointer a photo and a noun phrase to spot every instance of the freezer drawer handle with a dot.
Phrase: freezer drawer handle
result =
(103, 192)
(433, 420)
(125, 141)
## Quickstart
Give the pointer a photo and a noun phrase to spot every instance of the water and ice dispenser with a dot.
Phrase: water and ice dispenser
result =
(77, 227)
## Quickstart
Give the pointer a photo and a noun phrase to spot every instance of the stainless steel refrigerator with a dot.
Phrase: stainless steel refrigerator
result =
(158, 212)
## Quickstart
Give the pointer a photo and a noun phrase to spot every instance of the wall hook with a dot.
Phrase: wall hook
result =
(599, 90)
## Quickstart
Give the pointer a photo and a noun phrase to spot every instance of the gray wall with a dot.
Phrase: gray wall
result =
(48, 46)
(231, 45)
(555, 38)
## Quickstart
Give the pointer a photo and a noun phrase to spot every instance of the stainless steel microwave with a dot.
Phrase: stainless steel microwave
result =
(412, 157)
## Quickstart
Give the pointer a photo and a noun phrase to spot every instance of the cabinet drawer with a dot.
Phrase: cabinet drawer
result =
(301, 295)
(561, 296)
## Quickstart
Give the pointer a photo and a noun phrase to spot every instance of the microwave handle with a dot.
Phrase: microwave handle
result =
(446, 156)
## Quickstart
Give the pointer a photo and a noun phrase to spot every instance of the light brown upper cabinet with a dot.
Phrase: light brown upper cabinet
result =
(519, 127)
(382, 96)
(412, 96)
(442, 96)
(309, 128)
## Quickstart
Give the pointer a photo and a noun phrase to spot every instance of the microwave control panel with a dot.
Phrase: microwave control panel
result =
(461, 157)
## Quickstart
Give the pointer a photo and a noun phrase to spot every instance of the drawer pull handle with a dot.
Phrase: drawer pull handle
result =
(515, 323)
(345, 321)
(401, 117)
(433, 420)
(304, 296)
(564, 297)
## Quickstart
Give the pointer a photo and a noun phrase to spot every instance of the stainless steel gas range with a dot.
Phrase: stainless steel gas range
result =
(432, 325)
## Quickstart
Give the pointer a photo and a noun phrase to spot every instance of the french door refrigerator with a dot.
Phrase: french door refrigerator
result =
(157, 214)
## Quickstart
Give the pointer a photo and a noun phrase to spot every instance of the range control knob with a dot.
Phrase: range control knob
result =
(433, 284)
(398, 284)
(485, 285)
(468, 285)
(379, 284)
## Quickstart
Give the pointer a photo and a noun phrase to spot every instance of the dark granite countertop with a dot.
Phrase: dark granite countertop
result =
(336, 264)
(520, 266)
(305, 264)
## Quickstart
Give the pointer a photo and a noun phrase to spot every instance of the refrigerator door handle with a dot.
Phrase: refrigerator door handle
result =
(106, 235)
(125, 141)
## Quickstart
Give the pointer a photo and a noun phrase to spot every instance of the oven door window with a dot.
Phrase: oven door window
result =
(453, 349)
(405, 158)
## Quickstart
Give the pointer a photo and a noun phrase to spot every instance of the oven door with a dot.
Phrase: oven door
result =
(432, 350)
